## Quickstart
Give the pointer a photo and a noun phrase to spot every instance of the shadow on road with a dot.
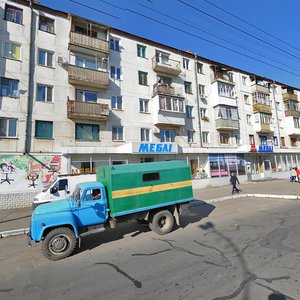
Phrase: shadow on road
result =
(190, 214)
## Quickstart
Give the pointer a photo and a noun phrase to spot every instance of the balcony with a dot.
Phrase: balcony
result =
(165, 89)
(264, 108)
(260, 89)
(289, 96)
(222, 76)
(263, 128)
(227, 124)
(82, 40)
(292, 113)
(166, 66)
(78, 110)
(88, 77)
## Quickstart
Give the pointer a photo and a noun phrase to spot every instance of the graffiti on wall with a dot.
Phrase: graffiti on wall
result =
(25, 172)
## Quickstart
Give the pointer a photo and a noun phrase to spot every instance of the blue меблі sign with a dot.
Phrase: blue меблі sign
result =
(264, 148)
(155, 148)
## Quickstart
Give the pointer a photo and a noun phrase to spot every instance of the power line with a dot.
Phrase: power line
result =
(246, 22)
(214, 35)
(245, 32)
(214, 43)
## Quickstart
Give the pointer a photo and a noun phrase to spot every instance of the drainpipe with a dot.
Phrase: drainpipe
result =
(276, 114)
(28, 132)
(198, 102)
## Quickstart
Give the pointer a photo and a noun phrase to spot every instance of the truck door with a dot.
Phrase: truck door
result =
(93, 208)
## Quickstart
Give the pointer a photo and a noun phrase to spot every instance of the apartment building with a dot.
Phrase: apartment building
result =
(76, 94)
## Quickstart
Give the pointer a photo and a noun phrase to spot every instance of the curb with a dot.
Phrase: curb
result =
(21, 231)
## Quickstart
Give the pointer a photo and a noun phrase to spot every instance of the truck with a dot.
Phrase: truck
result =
(60, 188)
(149, 192)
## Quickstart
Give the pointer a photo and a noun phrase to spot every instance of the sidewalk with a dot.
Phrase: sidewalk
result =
(19, 219)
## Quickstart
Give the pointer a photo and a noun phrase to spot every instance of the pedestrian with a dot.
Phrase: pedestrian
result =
(233, 181)
(297, 174)
(293, 175)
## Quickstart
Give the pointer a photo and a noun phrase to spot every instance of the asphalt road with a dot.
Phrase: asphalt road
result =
(237, 249)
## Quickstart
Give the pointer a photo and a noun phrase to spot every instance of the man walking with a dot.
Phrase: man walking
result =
(233, 181)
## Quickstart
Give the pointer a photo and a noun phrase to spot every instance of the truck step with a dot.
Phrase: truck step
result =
(93, 230)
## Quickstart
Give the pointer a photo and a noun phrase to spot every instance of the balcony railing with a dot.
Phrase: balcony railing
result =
(86, 41)
(168, 66)
(88, 77)
(165, 89)
(263, 128)
(264, 108)
(260, 88)
(289, 96)
(222, 76)
(292, 113)
(228, 124)
(79, 110)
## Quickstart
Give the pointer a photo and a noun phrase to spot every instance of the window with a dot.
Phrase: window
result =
(13, 14)
(8, 128)
(117, 102)
(278, 105)
(282, 141)
(205, 137)
(12, 50)
(145, 135)
(44, 129)
(248, 117)
(144, 105)
(85, 31)
(115, 73)
(162, 57)
(244, 80)
(186, 64)
(9, 87)
(167, 135)
(293, 141)
(164, 80)
(171, 104)
(151, 176)
(199, 67)
(263, 139)
(190, 134)
(238, 139)
(226, 90)
(296, 122)
(143, 78)
(224, 138)
(117, 134)
(189, 111)
(44, 93)
(86, 96)
(46, 24)
(87, 132)
(251, 139)
(141, 51)
(228, 113)
(114, 44)
(203, 112)
(45, 58)
(202, 90)
(188, 87)
(275, 140)
(247, 99)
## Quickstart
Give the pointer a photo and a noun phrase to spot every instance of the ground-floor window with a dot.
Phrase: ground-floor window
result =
(223, 164)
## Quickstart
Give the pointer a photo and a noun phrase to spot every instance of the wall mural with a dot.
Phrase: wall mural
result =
(23, 173)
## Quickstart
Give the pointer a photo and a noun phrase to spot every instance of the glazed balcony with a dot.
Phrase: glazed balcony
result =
(88, 77)
(165, 89)
(264, 108)
(292, 113)
(82, 40)
(260, 89)
(227, 124)
(263, 128)
(166, 66)
(289, 96)
(79, 110)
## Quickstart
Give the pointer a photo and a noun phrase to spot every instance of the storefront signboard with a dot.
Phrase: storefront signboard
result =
(265, 148)
(155, 148)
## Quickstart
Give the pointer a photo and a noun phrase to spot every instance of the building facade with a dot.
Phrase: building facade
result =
(77, 94)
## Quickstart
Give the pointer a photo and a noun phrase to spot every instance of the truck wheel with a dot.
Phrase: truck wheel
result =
(162, 222)
(59, 243)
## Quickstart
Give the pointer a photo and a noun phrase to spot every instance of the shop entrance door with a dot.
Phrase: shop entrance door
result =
(267, 167)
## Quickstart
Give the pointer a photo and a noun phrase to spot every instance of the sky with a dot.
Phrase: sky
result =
(258, 36)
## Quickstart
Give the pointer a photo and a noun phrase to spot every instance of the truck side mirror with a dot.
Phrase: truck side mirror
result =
(53, 190)
(78, 203)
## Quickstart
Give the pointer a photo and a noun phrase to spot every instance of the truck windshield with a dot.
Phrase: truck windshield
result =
(77, 194)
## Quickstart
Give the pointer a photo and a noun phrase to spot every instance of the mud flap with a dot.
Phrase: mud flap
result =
(176, 214)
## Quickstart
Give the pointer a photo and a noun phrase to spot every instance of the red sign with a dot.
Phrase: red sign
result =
(253, 148)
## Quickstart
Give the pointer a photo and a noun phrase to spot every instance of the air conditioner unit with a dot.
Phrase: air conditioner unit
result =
(61, 60)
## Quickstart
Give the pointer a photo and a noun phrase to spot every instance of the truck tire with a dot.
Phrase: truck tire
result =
(162, 222)
(59, 243)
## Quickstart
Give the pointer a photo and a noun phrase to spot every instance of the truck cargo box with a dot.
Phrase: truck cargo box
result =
(138, 187)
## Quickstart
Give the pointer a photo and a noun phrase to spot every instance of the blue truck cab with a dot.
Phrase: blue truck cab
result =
(151, 192)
